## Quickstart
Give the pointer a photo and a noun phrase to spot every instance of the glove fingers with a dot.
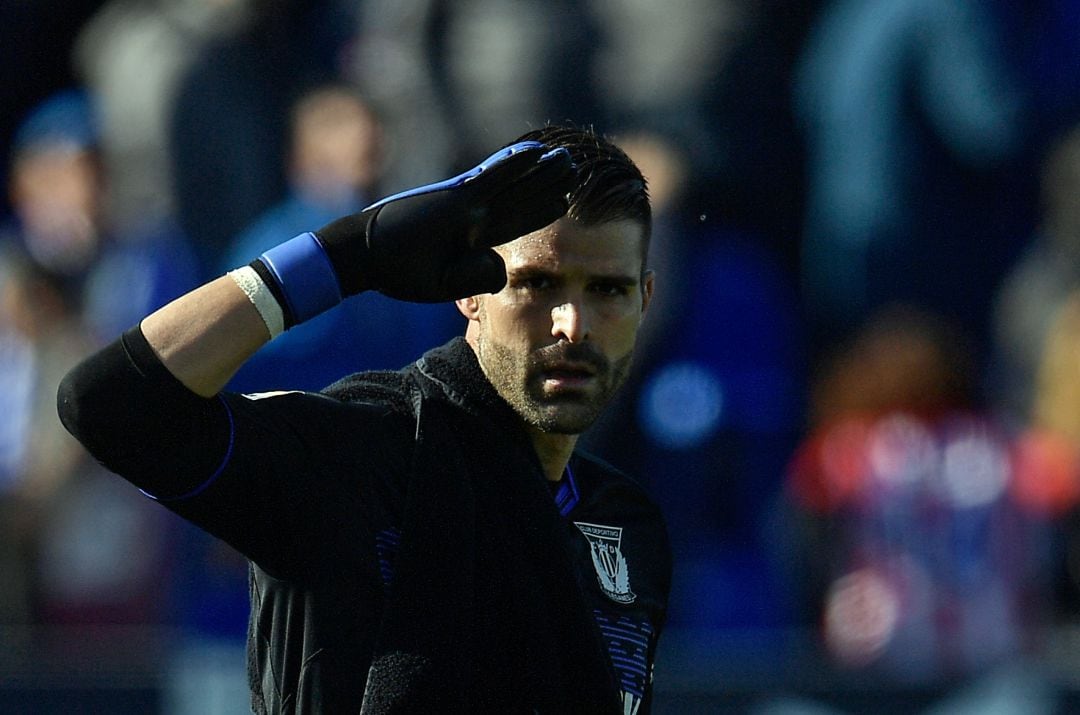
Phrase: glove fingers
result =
(473, 274)
(525, 173)
(503, 154)
(497, 173)
(533, 201)
(517, 221)
(541, 192)
(550, 179)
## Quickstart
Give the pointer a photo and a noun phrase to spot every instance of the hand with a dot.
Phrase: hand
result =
(434, 243)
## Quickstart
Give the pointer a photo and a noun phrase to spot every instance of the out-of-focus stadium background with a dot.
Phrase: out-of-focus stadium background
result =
(858, 397)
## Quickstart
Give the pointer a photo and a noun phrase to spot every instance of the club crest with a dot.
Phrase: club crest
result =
(608, 560)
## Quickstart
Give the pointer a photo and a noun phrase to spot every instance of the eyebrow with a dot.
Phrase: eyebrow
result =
(530, 271)
(621, 280)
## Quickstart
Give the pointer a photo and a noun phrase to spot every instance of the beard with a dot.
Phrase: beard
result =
(520, 378)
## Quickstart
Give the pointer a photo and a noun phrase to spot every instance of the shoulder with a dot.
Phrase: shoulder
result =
(393, 389)
(324, 417)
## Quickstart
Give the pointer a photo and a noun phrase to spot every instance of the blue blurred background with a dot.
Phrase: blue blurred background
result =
(858, 392)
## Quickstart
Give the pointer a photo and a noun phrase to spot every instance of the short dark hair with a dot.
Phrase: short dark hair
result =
(610, 186)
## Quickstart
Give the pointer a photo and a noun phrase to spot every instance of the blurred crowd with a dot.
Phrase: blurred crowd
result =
(858, 392)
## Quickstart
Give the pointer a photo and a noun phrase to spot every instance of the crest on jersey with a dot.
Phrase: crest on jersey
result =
(605, 544)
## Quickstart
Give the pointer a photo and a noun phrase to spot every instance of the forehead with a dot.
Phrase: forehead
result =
(613, 247)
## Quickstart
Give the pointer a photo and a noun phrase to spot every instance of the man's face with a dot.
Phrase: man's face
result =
(557, 341)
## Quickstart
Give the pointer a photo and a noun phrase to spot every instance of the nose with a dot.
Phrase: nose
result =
(569, 322)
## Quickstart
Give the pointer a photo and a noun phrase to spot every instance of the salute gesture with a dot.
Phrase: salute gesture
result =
(428, 244)
(463, 460)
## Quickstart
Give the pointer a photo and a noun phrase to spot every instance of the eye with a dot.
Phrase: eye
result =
(611, 289)
(534, 283)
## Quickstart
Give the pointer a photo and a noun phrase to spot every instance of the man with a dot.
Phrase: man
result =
(425, 540)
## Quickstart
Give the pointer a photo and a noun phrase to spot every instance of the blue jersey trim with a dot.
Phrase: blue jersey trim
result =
(567, 496)
(217, 472)
(387, 543)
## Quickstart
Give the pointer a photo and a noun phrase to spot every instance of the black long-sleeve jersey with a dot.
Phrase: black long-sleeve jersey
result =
(311, 488)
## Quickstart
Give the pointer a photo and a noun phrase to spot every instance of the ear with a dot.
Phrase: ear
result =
(469, 307)
(647, 284)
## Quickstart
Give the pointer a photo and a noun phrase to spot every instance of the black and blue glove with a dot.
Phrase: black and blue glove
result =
(428, 244)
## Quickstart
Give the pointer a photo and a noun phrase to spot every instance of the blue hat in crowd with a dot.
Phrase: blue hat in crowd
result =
(66, 117)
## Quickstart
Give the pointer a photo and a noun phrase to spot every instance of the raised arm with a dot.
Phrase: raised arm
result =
(148, 407)
(204, 337)
(429, 244)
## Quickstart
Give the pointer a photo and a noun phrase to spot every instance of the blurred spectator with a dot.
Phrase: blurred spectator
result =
(711, 410)
(71, 281)
(47, 248)
(35, 46)
(1038, 284)
(911, 119)
(60, 265)
(132, 54)
(60, 565)
(655, 59)
(926, 560)
(505, 65)
(228, 126)
(453, 77)
(56, 190)
(655, 63)
(62, 224)
(397, 66)
(334, 166)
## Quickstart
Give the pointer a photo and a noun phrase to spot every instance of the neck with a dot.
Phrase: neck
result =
(554, 451)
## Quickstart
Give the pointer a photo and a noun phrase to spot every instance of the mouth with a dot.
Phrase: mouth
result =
(567, 376)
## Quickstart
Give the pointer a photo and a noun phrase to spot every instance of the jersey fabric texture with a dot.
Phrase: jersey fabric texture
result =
(407, 554)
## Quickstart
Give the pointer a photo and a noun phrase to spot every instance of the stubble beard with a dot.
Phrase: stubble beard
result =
(516, 377)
